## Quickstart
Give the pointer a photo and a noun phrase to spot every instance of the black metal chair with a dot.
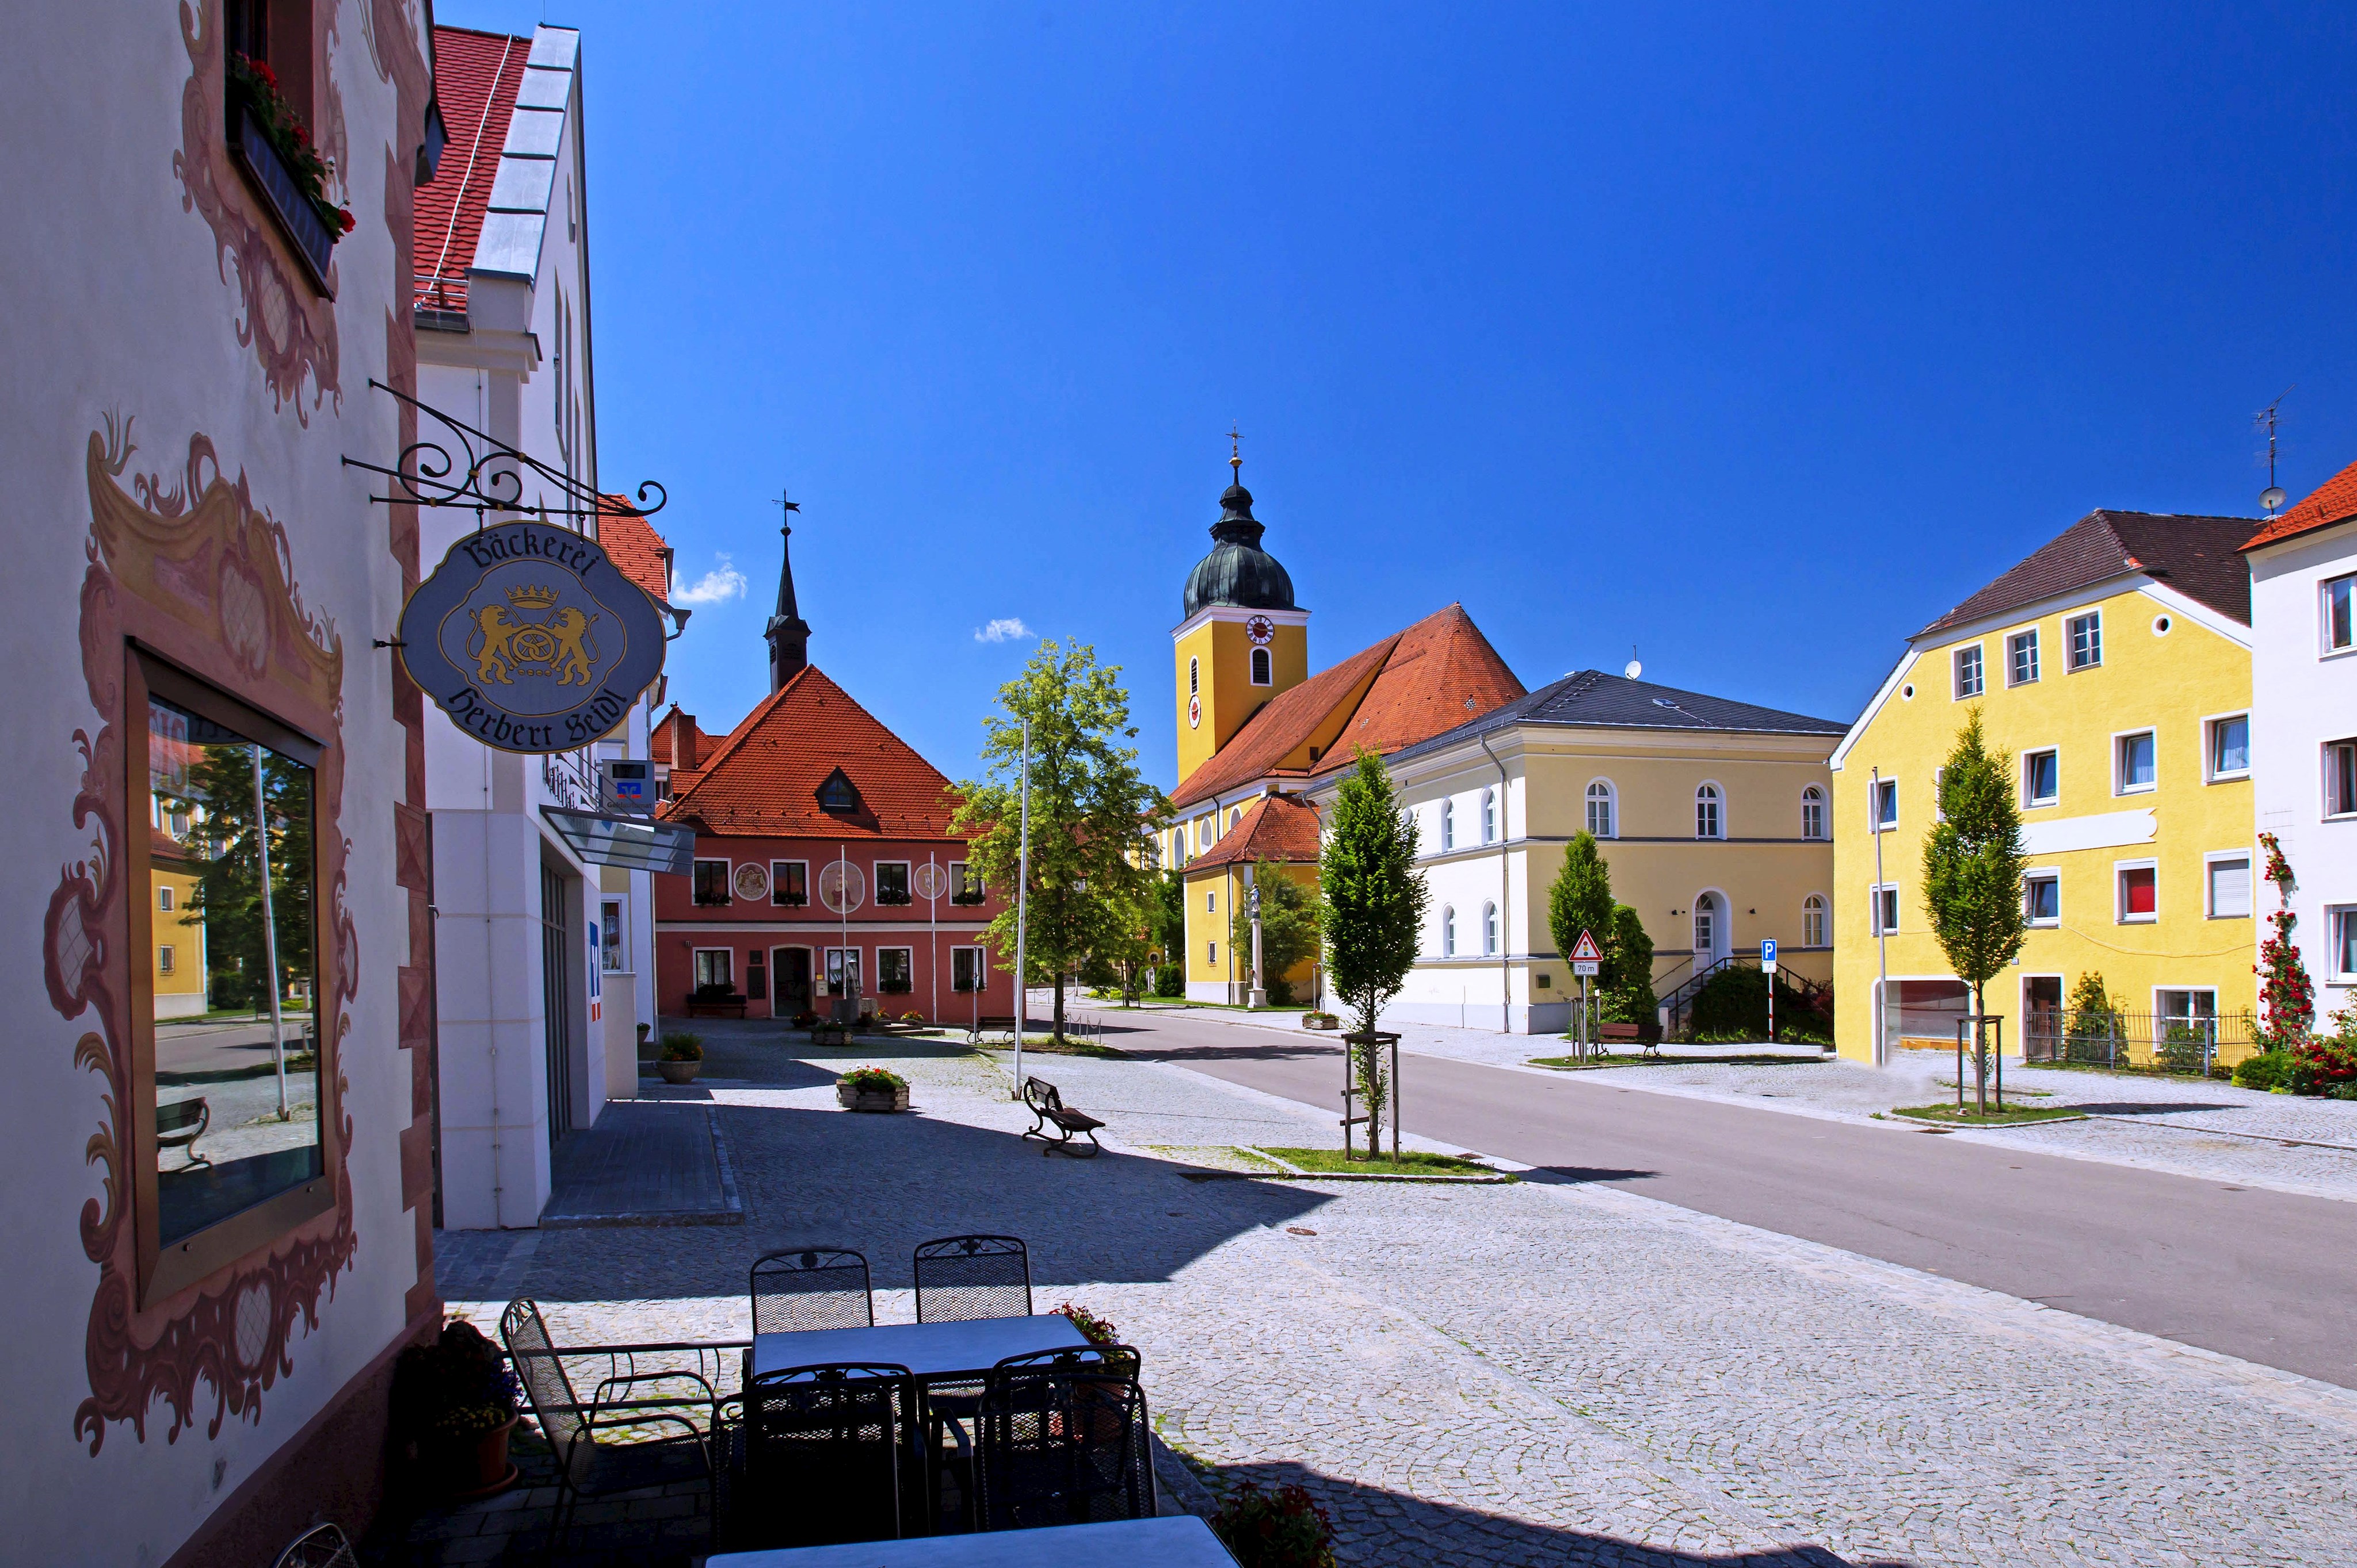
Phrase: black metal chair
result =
(1061, 1438)
(960, 1277)
(586, 1465)
(817, 1455)
(321, 1546)
(812, 1287)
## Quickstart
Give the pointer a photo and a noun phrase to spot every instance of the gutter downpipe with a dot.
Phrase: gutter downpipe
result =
(1881, 935)
(1506, 964)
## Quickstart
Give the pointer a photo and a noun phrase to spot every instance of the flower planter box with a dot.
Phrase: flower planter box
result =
(307, 232)
(679, 1072)
(880, 1099)
(830, 1034)
(1320, 1021)
(477, 1466)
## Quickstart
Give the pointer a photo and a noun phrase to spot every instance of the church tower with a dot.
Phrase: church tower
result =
(788, 633)
(1241, 640)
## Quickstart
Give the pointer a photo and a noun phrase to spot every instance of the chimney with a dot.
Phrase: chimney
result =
(684, 754)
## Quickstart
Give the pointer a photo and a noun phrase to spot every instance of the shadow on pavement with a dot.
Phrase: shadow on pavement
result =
(2136, 1108)
(1574, 1175)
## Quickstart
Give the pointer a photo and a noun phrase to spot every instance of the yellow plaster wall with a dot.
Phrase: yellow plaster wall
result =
(1229, 696)
(2169, 683)
(1205, 925)
(182, 931)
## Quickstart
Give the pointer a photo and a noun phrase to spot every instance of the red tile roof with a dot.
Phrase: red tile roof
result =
(763, 780)
(1412, 685)
(2335, 501)
(661, 737)
(1275, 827)
(636, 548)
(475, 79)
(2195, 556)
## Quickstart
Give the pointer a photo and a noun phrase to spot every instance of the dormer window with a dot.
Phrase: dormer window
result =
(837, 797)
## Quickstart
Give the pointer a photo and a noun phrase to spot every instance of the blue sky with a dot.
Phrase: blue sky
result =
(1752, 336)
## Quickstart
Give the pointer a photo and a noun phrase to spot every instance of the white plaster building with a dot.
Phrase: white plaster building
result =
(2303, 732)
(546, 959)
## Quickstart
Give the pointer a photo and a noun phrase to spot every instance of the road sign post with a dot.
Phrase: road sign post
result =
(1586, 960)
(1767, 967)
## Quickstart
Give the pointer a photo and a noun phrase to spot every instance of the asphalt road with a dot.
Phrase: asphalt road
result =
(2266, 1276)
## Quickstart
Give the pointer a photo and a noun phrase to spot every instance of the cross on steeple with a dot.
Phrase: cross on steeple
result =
(787, 634)
(1235, 454)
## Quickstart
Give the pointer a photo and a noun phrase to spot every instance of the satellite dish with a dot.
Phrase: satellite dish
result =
(2272, 497)
(1634, 670)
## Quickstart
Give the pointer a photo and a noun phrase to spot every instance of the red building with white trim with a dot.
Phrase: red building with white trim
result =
(825, 860)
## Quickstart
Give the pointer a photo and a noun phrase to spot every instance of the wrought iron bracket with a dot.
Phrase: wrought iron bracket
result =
(470, 469)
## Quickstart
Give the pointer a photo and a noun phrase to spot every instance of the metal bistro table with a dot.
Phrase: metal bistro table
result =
(1180, 1541)
(933, 1352)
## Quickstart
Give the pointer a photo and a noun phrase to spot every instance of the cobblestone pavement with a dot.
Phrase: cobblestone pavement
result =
(2186, 1126)
(1534, 1373)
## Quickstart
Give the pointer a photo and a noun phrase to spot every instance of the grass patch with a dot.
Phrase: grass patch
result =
(1669, 1059)
(1048, 1045)
(1949, 1116)
(1412, 1162)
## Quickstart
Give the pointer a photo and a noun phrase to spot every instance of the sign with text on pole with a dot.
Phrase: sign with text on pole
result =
(1587, 958)
(531, 638)
(1768, 954)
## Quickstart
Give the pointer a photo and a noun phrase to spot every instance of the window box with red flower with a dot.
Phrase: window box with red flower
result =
(274, 146)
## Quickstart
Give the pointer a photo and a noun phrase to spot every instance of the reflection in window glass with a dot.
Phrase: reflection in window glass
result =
(237, 1101)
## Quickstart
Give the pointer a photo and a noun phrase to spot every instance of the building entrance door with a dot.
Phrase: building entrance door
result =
(791, 966)
(556, 953)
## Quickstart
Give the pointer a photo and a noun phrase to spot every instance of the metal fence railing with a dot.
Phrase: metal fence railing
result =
(2138, 1042)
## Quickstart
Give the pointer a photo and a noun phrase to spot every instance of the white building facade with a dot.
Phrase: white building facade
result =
(546, 959)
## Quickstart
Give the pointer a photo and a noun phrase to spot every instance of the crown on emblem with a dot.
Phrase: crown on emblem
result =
(529, 598)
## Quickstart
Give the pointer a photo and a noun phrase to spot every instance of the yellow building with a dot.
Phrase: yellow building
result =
(2112, 669)
(1277, 832)
(178, 929)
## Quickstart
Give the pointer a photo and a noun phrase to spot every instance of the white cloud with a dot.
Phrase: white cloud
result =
(717, 587)
(1006, 628)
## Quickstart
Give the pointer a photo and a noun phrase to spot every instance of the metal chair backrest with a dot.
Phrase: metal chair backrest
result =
(816, 1287)
(1061, 1438)
(540, 1370)
(961, 1277)
(321, 1546)
(823, 1449)
(1041, 1096)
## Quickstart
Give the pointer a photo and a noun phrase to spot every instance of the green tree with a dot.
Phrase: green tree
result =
(1089, 807)
(218, 795)
(1371, 902)
(1628, 976)
(1972, 871)
(1580, 899)
(1170, 933)
(1288, 927)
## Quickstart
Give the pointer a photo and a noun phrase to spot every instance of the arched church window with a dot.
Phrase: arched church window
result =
(1448, 824)
(1488, 816)
(1194, 676)
(1708, 824)
(1599, 809)
(1448, 931)
(1262, 674)
(1812, 815)
(1489, 929)
(1812, 921)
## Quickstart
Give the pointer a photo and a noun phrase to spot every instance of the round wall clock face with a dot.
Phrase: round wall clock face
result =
(751, 881)
(1260, 629)
(1194, 713)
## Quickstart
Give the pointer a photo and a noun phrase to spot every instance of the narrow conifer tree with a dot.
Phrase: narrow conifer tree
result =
(1971, 873)
(1372, 901)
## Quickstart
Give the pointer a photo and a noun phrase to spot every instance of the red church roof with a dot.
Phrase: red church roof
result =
(475, 79)
(764, 777)
(1275, 827)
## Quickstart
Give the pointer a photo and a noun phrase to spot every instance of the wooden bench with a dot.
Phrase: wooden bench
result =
(714, 1007)
(1609, 1035)
(181, 1123)
(1047, 1106)
(989, 1025)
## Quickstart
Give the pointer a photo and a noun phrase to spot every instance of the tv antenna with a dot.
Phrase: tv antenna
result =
(2272, 498)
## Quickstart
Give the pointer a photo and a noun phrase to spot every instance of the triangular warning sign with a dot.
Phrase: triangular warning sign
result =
(1584, 951)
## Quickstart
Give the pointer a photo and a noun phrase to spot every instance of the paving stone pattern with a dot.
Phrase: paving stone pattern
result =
(1537, 1373)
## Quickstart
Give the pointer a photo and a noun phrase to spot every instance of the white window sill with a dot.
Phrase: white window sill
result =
(2245, 916)
(2139, 921)
(2053, 925)
(2043, 805)
(2340, 817)
(2233, 777)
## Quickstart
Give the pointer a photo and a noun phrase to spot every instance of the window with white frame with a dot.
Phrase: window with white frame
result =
(2229, 890)
(2021, 658)
(2190, 1004)
(965, 968)
(1210, 900)
(2339, 617)
(1448, 931)
(2341, 778)
(1600, 812)
(1489, 929)
(613, 948)
(2042, 897)
(2135, 759)
(1488, 816)
(2086, 633)
(164, 896)
(892, 882)
(2041, 777)
(2138, 896)
(2340, 921)
(1262, 673)
(715, 966)
(1448, 824)
(842, 971)
(1815, 927)
(2227, 746)
(1885, 805)
(1968, 671)
(1813, 813)
(965, 882)
(790, 883)
(1882, 909)
(711, 888)
(1709, 823)
(895, 970)
(1211, 952)
(168, 957)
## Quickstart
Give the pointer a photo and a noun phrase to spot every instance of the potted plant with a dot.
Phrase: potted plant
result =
(457, 1401)
(682, 1057)
(1279, 1529)
(1093, 1329)
(1320, 1021)
(871, 1088)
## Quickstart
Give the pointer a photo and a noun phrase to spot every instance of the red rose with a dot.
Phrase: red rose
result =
(346, 214)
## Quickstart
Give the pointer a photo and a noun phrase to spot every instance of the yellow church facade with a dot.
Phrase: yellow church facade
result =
(2111, 672)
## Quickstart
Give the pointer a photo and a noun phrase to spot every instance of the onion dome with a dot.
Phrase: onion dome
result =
(1238, 571)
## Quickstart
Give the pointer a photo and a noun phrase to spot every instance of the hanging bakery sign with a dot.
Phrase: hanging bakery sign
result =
(531, 638)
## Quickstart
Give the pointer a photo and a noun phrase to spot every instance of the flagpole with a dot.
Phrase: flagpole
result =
(1022, 907)
(843, 907)
(933, 907)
